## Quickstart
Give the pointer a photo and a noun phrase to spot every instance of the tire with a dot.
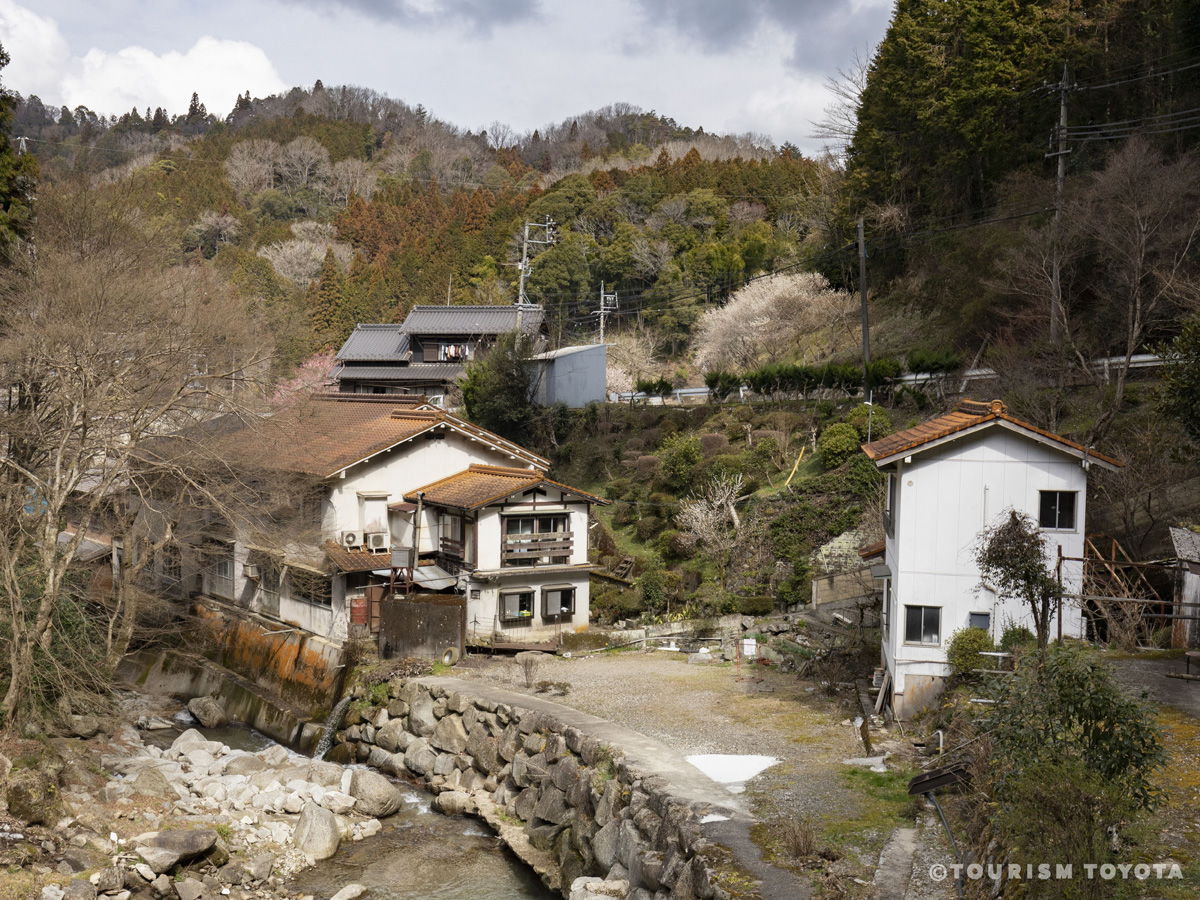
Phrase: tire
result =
(450, 656)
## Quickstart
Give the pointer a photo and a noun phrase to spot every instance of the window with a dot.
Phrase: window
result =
(219, 562)
(558, 600)
(310, 587)
(536, 540)
(1057, 510)
(172, 570)
(980, 620)
(516, 605)
(922, 624)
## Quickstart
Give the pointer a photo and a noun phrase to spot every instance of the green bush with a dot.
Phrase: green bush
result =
(756, 606)
(648, 526)
(837, 444)
(964, 649)
(1017, 637)
(875, 416)
(680, 453)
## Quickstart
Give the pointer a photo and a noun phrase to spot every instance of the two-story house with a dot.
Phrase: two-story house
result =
(427, 353)
(383, 475)
(947, 480)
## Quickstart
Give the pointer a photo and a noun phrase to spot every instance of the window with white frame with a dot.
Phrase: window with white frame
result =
(1056, 510)
(923, 625)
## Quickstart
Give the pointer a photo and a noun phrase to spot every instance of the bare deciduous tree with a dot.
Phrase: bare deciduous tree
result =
(303, 163)
(250, 167)
(347, 177)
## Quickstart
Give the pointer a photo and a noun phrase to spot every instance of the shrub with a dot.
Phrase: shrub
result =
(1017, 637)
(647, 527)
(647, 466)
(837, 444)
(679, 454)
(875, 416)
(964, 649)
(712, 444)
(756, 606)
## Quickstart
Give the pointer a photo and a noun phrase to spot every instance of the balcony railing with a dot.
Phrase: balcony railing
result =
(452, 548)
(521, 549)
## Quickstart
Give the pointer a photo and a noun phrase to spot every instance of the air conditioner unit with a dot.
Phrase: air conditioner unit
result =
(352, 539)
(377, 540)
(249, 571)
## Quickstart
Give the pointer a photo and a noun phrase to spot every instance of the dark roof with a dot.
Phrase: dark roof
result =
(477, 486)
(968, 417)
(356, 560)
(375, 343)
(331, 432)
(472, 320)
(416, 372)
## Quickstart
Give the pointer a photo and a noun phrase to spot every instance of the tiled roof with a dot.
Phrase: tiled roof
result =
(375, 343)
(425, 372)
(355, 560)
(969, 415)
(478, 486)
(1187, 544)
(330, 432)
(472, 320)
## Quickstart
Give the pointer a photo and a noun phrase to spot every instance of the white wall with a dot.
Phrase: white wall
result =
(947, 496)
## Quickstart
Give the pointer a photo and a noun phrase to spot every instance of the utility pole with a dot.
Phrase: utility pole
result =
(862, 291)
(608, 304)
(524, 266)
(1056, 304)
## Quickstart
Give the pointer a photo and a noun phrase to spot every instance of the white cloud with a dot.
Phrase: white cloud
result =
(217, 69)
(38, 51)
(114, 82)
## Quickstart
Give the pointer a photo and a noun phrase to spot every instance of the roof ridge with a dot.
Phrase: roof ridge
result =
(502, 470)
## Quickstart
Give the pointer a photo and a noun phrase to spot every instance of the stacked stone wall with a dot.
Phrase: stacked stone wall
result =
(587, 821)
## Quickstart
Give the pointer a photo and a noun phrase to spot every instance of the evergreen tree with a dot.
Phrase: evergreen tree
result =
(325, 301)
(18, 176)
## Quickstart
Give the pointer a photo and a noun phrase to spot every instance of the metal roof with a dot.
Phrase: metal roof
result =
(375, 343)
(472, 320)
(416, 372)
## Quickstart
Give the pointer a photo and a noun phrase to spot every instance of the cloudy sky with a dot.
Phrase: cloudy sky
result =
(729, 65)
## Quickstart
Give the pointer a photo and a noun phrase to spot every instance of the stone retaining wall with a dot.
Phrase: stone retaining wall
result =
(566, 804)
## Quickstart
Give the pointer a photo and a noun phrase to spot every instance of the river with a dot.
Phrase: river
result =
(419, 854)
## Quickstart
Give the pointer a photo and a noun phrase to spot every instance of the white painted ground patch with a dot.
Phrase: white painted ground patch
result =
(733, 771)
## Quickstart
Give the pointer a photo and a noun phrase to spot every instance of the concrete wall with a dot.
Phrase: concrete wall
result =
(945, 498)
(564, 803)
(424, 625)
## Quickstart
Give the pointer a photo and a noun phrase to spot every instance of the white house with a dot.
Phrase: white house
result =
(947, 480)
(388, 474)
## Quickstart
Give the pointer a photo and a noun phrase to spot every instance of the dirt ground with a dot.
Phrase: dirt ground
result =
(703, 709)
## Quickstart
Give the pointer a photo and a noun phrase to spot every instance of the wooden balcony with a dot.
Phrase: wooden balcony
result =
(452, 548)
(524, 548)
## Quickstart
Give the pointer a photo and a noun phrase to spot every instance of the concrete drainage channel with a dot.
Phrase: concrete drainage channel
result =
(595, 809)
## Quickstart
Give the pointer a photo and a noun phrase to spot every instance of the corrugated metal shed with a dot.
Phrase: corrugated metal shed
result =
(472, 320)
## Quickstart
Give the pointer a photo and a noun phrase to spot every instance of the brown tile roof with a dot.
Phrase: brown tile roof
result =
(328, 433)
(969, 414)
(875, 549)
(356, 560)
(478, 486)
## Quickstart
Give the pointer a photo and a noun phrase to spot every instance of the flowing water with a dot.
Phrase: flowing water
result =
(420, 854)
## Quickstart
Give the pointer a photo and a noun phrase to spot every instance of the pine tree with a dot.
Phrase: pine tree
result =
(325, 301)
(18, 176)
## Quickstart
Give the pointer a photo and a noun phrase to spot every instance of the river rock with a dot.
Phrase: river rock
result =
(259, 868)
(510, 743)
(52, 892)
(317, 833)
(449, 735)
(79, 889)
(375, 795)
(110, 879)
(30, 796)
(244, 765)
(565, 773)
(525, 803)
(159, 859)
(421, 720)
(350, 892)
(325, 774)
(453, 803)
(162, 885)
(85, 726)
(187, 844)
(420, 758)
(208, 712)
(337, 802)
(189, 889)
(153, 782)
(389, 736)
(552, 805)
(191, 736)
(274, 755)
(482, 749)
(604, 844)
(145, 872)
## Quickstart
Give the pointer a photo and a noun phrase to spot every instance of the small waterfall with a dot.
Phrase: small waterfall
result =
(331, 727)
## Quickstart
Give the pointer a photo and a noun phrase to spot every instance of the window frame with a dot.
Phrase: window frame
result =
(521, 593)
(563, 609)
(1042, 496)
(973, 614)
(924, 610)
(529, 560)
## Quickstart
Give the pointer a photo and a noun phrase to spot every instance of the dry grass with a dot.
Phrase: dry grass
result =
(799, 837)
